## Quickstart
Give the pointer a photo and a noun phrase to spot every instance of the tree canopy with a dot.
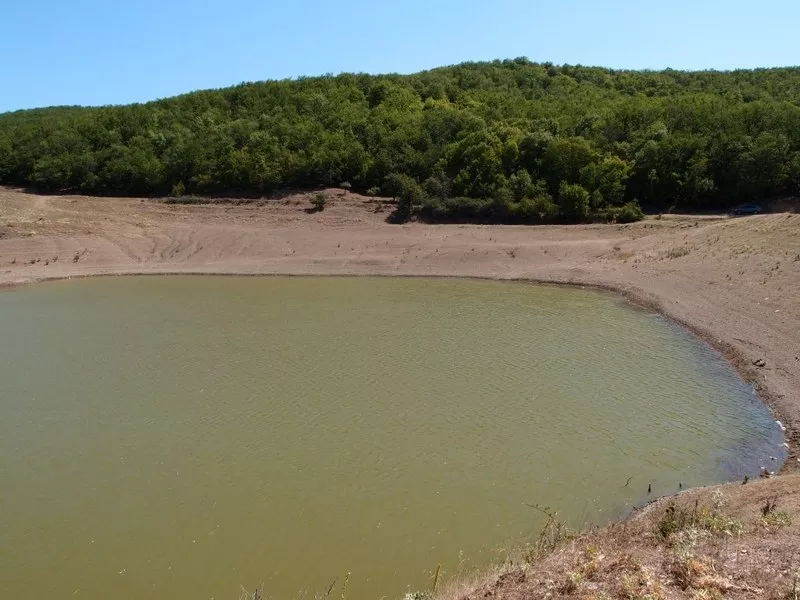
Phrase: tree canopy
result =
(504, 141)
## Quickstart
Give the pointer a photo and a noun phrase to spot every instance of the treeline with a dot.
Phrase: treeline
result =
(509, 141)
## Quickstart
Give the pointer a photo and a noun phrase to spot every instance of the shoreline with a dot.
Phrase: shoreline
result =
(130, 237)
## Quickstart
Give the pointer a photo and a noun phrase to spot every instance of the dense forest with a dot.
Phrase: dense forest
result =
(506, 141)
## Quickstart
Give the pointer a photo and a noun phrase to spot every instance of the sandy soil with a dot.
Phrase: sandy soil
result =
(735, 282)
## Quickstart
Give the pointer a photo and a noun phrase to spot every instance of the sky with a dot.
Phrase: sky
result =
(92, 52)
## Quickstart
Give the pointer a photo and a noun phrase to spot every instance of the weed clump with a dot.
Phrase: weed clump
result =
(771, 517)
(318, 202)
(552, 535)
(677, 519)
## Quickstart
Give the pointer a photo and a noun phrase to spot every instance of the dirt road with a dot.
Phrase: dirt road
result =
(735, 282)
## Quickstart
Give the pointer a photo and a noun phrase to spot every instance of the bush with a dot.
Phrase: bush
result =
(318, 202)
(438, 186)
(540, 209)
(178, 190)
(574, 201)
(455, 210)
(408, 193)
(500, 209)
(501, 206)
(627, 213)
(709, 519)
(522, 185)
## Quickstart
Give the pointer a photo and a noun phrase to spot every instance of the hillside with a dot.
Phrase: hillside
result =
(510, 141)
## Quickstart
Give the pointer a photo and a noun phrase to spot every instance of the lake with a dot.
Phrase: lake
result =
(179, 437)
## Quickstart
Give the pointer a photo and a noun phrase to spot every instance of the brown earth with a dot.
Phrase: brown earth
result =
(734, 282)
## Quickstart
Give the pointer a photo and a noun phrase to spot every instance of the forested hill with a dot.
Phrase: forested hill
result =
(502, 141)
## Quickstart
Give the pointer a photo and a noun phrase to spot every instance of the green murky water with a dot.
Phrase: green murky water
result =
(178, 437)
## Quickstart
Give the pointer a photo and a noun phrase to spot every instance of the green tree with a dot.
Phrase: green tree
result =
(573, 200)
(476, 164)
(407, 192)
(438, 185)
(521, 185)
(609, 177)
(564, 160)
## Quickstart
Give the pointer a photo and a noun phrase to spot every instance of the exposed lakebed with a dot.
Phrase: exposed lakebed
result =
(178, 437)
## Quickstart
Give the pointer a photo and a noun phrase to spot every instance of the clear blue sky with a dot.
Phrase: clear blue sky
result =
(109, 52)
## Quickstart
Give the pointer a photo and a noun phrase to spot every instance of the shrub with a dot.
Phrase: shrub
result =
(627, 213)
(178, 190)
(318, 202)
(711, 520)
(408, 193)
(438, 186)
(522, 185)
(455, 210)
(574, 201)
(539, 209)
(501, 205)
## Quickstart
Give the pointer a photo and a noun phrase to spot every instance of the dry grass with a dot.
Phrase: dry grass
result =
(676, 252)
(736, 541)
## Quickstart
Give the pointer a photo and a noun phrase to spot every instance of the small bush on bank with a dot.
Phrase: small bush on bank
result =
(178, 190)
(677, 519)
(318, 202)
(627, 213)
(408, 193)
